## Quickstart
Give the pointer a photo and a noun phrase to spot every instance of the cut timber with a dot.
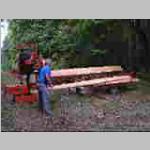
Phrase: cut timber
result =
(85, 71)
(76, 73)
(98, 82)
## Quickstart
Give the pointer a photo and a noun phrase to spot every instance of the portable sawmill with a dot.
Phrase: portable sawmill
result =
(67, 78)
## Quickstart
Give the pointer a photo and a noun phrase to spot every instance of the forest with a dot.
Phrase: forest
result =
(82, 42)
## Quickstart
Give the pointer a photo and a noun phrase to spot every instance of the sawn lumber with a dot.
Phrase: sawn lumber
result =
(125, 79)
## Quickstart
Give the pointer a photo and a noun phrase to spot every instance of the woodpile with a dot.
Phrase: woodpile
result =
(92, 76)
(79, 74)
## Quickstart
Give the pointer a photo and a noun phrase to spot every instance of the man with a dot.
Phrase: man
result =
(43, 82)
(25, 66)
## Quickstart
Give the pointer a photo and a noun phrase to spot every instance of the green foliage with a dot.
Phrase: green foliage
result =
(98, 52)
(68, 42)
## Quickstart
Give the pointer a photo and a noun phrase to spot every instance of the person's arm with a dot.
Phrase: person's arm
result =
(48, 77)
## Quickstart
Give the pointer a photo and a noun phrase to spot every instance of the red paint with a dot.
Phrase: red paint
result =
(27, 98)
(17, 90)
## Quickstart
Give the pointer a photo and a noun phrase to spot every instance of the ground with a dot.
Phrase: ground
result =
(128, 110)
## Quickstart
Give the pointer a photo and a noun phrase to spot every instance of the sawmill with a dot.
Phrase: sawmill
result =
(102, 76)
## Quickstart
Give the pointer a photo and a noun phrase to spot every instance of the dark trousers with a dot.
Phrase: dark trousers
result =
(44, 98)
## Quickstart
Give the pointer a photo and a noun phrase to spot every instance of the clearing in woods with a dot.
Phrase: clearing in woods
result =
(95, 110)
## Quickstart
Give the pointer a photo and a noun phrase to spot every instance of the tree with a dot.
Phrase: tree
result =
(77, 42)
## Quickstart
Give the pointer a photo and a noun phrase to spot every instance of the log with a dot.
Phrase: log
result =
(107, 81)
(85, 71)
(78, 72)
(98, 82)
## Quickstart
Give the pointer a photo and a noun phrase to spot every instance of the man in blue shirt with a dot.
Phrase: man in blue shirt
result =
(43, 82)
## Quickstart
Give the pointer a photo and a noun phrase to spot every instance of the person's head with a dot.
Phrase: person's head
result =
(48, 61)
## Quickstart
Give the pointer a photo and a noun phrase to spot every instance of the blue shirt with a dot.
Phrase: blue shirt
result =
(46, 70)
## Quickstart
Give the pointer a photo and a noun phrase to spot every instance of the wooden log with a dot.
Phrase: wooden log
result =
(85, 71)
(98, 82)
(58, 75)
(107, 81)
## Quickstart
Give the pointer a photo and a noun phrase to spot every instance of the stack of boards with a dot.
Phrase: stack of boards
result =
(92, 76)
(76, 77)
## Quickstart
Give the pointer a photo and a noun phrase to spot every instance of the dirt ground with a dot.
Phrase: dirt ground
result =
(128, 110)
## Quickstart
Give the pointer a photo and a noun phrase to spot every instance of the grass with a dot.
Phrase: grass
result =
(113, 105)
(7, 79)
(26, 106)
(144, 83)
(144, 76)
(7, 117)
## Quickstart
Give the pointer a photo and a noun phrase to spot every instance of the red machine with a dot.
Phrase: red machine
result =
(26, 67)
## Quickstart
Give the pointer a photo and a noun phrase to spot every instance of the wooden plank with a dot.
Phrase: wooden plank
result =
(85, 71)
(79, 71)
(98, 82)
(107, 81)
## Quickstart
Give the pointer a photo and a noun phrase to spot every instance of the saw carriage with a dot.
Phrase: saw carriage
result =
(106, 76)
